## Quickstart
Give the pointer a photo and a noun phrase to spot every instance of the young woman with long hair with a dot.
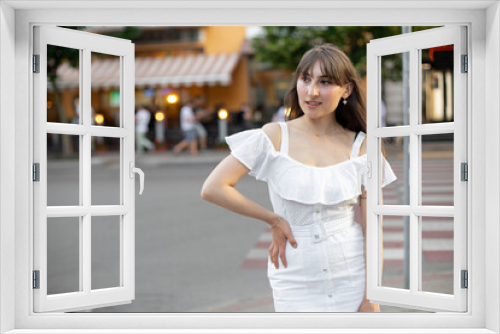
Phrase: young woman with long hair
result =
(310, 162)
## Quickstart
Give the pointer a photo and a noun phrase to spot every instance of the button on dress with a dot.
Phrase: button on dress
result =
(326, 272)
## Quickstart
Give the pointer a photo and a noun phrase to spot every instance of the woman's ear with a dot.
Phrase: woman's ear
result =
(348, 89)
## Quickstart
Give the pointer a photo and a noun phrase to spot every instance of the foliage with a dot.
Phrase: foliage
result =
(131, 33)
(282, 47)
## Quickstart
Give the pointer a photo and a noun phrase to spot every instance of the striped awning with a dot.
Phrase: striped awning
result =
(200, 70)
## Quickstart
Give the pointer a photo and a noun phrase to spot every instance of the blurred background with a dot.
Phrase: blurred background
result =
(192, 256)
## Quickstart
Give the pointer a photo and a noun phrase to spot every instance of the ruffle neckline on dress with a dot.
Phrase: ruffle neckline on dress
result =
(291, 179)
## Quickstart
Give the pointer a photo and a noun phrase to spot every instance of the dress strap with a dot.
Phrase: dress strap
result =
(284, 138)
(357, 144)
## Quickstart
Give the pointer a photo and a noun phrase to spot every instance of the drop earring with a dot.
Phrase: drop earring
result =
(345, 101)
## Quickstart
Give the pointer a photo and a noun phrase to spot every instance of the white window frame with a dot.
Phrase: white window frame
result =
(413, 43)
(483, 21)
(85, 297)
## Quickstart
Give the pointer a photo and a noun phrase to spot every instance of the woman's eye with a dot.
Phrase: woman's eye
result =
(305, 79)
(326, 82)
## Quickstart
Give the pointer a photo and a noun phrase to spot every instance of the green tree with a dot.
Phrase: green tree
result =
(283, 47)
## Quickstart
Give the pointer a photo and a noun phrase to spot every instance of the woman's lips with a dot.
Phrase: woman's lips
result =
(313, 104)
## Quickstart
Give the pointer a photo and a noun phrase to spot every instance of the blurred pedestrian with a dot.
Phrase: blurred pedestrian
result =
(317, 258)
(142, 118)
(188, 127)
(258, 116)
(201, 132)
(247, 115)
(243, 118)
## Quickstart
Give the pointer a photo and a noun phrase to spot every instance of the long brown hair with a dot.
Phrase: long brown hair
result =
(338, 67)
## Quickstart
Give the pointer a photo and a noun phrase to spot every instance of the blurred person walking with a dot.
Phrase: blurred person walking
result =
(243, 118)
(200, 129)
(142, 118)
(310, 162)
(188, 127)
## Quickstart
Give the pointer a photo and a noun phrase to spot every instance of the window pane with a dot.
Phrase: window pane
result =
(393, 253)
(437, 84)
(63, 171)
(64, 72)
(105, 97)
(106, 187)
(397, 192)
(105, 252)
(63, 255)
(394, 90)
(437, 169)
(437, 254)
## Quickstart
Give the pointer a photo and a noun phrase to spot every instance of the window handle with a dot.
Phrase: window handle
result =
(361, 171)
(133, 170)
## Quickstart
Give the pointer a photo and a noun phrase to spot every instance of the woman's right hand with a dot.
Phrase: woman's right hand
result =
(281, 233)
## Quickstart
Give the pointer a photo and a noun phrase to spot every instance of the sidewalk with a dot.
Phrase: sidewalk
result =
(433, 150)
(161, 158)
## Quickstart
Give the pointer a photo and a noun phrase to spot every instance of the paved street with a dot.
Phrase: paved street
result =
(192, 256)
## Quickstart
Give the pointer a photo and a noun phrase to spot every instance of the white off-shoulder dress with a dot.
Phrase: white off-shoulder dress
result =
(326, 272)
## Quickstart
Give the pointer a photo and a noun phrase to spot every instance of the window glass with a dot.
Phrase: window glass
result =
(437, 254)
(395, 86)
(437, 169)
(106, 171)
(106, 264)
(437, 84)
(63, 255)
(63, 171)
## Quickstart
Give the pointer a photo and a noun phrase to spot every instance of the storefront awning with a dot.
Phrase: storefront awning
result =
(200, 70)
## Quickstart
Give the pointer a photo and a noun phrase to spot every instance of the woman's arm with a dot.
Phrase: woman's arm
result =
(219, 188)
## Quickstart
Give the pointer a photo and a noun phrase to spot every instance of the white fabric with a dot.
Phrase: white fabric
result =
(295, 181)
(187, 118)
(142, 118)
(325, 274)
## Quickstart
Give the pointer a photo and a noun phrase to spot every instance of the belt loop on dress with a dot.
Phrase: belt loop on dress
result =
(319, 232)
(322, 230)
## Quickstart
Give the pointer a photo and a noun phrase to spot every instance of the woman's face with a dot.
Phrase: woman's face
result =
(318, 95)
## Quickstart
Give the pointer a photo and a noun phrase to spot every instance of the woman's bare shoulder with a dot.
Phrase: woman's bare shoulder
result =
(273, 131)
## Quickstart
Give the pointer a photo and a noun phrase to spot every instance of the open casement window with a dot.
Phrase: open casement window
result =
(74, 222)
(429, 201)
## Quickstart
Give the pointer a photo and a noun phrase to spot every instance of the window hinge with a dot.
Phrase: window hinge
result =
(36, 63)
(465, 64)
(465, 171)
(465, 279)
(36, 279)
(36, 172)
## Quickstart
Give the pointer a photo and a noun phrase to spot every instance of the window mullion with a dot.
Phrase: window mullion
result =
(86, 167)
(414, 170)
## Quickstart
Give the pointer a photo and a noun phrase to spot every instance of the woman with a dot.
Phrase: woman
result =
(310, 163)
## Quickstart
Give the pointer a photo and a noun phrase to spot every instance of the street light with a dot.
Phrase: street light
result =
(172, 98)
(159, 135)
(99, 119)
(159, 116)
(222, 124)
